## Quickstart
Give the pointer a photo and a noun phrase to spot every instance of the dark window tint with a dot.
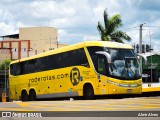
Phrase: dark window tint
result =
(102, 65)
(99, 61)
(67, 59)
(94, 56)
(78, 57)
(15, 69)
(61, 60)
(40, 64)
(116, 54)
(30, 66)
(94, 49)
(129, 54)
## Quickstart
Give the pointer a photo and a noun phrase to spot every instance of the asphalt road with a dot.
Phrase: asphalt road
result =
(138, 108)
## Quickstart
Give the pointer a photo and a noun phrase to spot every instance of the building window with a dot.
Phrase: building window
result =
(51, 48)
(24, 49)
(14, 49)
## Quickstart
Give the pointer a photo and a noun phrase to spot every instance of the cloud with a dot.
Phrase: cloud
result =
(77, 20)
(149, 5)
(91, 37)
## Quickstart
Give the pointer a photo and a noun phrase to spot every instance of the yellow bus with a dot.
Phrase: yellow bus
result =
(85, 69)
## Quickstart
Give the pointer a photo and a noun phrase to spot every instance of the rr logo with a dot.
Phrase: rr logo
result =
(75, 76)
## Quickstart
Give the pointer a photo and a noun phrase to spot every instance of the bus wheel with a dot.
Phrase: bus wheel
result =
(24, 96)
(32, 95)
(88, 92)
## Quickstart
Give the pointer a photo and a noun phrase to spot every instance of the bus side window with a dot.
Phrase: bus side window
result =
(83, 58)
(102, 64)
(95, 61)
(15, 69)
(30, 66)
(18, 69)
(40, 64)
(65, 59)
(79, 58)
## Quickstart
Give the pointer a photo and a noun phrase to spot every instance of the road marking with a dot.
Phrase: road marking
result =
(22, 104)
(13, 109)
(83, 105)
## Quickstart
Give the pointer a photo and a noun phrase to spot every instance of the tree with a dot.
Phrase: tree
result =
(5, 65)
(111, 32)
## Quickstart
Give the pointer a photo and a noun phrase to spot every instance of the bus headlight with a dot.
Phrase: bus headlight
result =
(123, 85)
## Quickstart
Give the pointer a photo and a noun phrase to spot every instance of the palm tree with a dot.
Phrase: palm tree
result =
(5, 65)
(110, 32)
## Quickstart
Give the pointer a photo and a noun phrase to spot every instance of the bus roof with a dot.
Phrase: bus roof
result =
(107, 44)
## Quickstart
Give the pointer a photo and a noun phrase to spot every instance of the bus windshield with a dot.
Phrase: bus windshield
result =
(124, 64)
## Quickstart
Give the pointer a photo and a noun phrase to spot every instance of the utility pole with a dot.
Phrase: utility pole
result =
(140, 45)
(150, 35)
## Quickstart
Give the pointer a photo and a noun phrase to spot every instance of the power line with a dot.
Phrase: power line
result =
(154, 26)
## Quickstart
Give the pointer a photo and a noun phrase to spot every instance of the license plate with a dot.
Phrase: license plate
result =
(129, 90)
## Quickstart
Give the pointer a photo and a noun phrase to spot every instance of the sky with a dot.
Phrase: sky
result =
(76, 20)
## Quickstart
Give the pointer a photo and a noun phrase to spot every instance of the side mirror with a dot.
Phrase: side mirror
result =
(107, 55)
(144, 57)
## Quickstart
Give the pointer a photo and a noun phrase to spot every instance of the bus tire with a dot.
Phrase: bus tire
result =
(32, 95)
(24, 96)
(88, 92)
